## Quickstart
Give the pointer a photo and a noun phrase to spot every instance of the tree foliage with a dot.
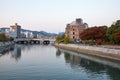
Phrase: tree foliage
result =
(113, 32)
(117, 35)
(67, 39)
(2, 37)
(94, 33)
(63, 38)
(59, 39)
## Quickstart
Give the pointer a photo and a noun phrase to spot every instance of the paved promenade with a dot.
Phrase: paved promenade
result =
(103, 48)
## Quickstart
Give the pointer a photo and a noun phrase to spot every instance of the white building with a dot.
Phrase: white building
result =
(15, 31)
(40, 36)
(29, 34)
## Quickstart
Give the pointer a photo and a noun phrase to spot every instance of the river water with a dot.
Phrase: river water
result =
(45, 62)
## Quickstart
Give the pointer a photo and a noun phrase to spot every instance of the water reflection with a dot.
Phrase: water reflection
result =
(7, 52)
(91, 65)
(16, 54)
(58, 52)
(38, 62)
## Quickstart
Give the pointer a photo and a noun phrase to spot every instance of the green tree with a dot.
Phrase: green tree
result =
(67, 39)
(117, 36)
(5, 38)
(114, 28)
(60, 39)
(2, 37)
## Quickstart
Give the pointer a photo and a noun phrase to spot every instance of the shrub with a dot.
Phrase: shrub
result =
(99, 41)
(66, 40)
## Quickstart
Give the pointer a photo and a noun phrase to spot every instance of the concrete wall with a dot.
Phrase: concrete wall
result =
(108, 53)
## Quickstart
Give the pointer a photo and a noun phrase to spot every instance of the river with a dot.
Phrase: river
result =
(46, 62)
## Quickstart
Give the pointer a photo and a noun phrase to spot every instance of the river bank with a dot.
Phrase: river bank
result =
(5, 46)
(99, 51)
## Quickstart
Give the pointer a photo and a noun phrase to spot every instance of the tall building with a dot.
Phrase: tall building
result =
(15, 31)
(74, 29)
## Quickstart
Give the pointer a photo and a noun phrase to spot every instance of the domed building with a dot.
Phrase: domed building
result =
(74, 29)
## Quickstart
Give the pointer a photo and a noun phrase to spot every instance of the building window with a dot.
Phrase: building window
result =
(73, 33)
(73, 37)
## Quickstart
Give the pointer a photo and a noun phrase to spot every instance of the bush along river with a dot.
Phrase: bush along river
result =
(46, 62)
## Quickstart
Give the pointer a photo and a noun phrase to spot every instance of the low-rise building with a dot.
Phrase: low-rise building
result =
(4, 30)
(29, 35)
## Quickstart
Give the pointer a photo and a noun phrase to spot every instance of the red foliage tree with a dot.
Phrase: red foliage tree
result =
(94, 33)
(117, 35)
(99, 41)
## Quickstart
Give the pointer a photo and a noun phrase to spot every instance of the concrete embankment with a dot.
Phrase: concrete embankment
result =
(99, 51)
(5, 46)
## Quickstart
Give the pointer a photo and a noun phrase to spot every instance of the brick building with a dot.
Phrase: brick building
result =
(74, 29)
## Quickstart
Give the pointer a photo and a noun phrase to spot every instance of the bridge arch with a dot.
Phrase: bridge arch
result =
(46, 42)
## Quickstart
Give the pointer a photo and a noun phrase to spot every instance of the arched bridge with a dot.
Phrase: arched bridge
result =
(34, 41)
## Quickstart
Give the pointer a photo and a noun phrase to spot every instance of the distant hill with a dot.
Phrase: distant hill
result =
(61, 33)
(43, 33)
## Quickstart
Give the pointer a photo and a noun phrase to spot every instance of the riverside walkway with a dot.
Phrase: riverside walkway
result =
(110, 52)
(101, 48)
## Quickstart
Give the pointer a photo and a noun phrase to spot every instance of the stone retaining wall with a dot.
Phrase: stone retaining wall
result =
(93, 50)
(5, 46)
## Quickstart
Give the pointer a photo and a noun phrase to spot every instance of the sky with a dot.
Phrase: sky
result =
(53, 15)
